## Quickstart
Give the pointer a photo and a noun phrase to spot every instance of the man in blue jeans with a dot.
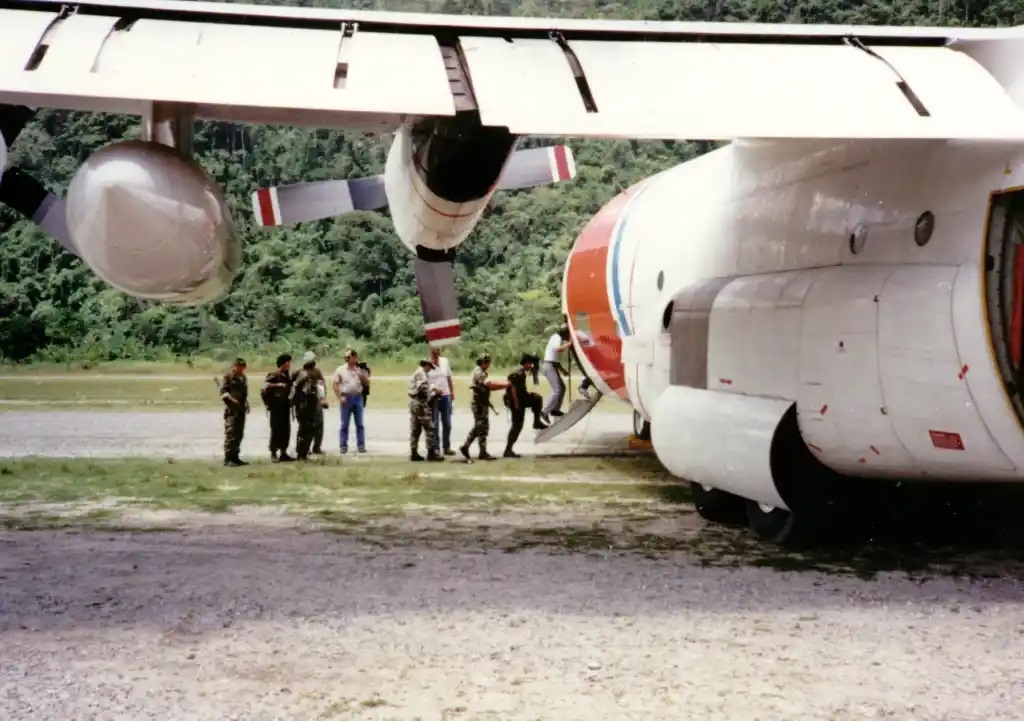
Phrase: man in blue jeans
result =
(440, 377)
(349, 382)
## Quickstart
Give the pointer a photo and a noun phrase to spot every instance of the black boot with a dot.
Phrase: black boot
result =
(238, 461)
(484, 455)
(434, 456)
(415, 456)
(285, 458)
(509, 453)
(464, 450)
(230, 462)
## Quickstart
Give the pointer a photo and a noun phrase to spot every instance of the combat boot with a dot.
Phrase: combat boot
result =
(415, 456)
(230, 462)
(285, 458)
(433, 455)
(484, 456)
(238, 461)
(464, 450)
(509, 453)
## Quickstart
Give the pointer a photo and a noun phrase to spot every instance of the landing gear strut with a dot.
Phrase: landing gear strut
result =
(641, 428)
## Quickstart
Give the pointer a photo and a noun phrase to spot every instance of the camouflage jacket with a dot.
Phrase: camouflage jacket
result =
(303, 395)
(419, 387)
(478, 387)
(238, 388)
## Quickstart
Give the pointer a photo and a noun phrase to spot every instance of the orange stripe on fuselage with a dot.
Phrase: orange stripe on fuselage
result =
(586, 292)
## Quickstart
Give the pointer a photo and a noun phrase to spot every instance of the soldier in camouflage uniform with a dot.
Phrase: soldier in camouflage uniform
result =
(276, 389)
(481, 388)
(305, 400)
(234, 391)
(421, 414)
(309, 361)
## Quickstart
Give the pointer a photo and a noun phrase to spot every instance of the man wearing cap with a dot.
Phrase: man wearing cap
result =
(234, 391)
(309, 364)
(421, 397)
(349, 382)
(481, 388)
(519, 399)
(275, 393)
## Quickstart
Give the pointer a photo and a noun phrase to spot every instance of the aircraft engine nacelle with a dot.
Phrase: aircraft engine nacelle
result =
(152, 224)
(439, 176)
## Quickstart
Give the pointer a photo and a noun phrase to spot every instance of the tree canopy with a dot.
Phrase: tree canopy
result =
(333, 282)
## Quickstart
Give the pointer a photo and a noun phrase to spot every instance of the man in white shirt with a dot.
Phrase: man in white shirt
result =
(349, 382)
(553, 371)
(440, 377)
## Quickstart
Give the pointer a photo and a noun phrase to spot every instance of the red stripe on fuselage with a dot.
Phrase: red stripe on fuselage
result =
(587, 294)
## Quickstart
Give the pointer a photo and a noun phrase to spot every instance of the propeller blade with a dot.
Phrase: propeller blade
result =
(436, 284)
(26, 195)
(538, 166)
(283, 205)
(13, 119)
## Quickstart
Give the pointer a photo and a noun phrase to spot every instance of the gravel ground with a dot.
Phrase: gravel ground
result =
(271, 623)
(199, 434)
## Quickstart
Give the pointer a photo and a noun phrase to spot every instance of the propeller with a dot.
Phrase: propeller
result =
(286, 205)
(23, 193)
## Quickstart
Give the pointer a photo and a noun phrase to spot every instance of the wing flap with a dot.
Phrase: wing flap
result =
(230, 71)
(709, 91)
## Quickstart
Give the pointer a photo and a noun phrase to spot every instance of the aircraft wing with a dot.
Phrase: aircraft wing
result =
(606, 79)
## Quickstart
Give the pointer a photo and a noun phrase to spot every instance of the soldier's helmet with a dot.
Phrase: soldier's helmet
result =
(483, 358)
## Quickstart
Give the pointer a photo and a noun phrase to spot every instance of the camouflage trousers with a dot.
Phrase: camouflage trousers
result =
(318, 428)
(305, 433)
(481, 427)
(234, 431)
(421, 418)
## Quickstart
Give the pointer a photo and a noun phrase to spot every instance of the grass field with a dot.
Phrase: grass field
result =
(179, 393)
(358, 485)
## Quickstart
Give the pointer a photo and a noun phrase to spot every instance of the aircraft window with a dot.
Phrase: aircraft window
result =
(924, 227)
(661, 279)
(857, 239)
(666, 317)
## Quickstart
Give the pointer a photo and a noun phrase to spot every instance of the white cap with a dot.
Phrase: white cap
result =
(310, 356)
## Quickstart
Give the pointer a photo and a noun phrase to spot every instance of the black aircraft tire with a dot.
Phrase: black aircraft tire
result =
(718, 506)
(641, 428)
(777, 526)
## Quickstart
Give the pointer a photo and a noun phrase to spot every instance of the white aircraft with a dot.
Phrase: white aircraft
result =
(838, 293)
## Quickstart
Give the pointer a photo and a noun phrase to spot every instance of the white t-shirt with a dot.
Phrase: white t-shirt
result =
(350, 380)
(551, 353)
(438, 377)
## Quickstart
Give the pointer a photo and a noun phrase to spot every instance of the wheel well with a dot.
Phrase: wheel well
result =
(800, 478)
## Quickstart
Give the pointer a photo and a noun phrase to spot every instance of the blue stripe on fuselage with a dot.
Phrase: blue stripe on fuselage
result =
(619, 311)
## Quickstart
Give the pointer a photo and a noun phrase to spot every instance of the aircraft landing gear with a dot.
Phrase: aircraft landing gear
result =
(641, 428)
(819, 499)
(718, 506)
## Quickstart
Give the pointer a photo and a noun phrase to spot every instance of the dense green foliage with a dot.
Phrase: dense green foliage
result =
(333, 282)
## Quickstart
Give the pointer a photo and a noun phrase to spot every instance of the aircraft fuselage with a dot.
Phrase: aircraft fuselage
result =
(847, 279)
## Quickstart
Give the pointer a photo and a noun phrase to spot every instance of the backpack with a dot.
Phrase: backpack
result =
(303, 391)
